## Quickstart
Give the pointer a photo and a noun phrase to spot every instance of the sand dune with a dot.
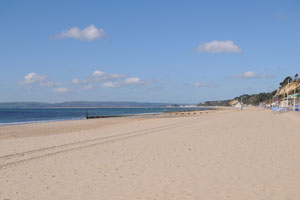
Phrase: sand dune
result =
(249, 154)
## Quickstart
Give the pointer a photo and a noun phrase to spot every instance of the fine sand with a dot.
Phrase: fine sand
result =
(240, 155)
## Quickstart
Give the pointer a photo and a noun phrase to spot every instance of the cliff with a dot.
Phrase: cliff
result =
(287, 86)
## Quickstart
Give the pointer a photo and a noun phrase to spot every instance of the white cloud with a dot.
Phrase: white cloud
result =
(132, 80)
(109, 84)
(214, 46)
(75, 81)
(61, 90)
(88, 34)
(106, 80)
(95, 80)
(32, 78)
(252, 75)
(98, 73)
(205, 85)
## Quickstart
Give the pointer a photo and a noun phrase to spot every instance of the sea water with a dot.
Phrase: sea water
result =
(32, 115)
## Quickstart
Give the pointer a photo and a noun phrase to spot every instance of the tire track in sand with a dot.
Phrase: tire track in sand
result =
(20, 157)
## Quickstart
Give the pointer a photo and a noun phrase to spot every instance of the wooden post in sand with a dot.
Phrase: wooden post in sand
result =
(86, 113)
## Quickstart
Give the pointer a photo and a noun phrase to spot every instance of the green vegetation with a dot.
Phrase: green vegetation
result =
(256, 99)
(285, 81)
(215, 103)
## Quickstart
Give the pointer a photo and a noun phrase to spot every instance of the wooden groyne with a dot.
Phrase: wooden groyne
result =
(102, 116)
(108, 116)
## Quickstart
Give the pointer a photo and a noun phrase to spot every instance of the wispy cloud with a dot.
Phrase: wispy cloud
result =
(107, 80)
(205, 85)
(110, 84)
(87, 34)
(215, 46)
(48, 83)
(251, 75)
(281, 16)
(132, 80)
(75, 81)
(61, 90)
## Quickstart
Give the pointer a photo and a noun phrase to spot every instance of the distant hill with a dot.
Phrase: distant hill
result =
(81, 104)
(287, 86)
(24, 105)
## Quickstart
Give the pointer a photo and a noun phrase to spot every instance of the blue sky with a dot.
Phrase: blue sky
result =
(154, 51)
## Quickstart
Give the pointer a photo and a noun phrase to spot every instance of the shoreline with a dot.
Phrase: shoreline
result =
(63, 126)
(96, 117)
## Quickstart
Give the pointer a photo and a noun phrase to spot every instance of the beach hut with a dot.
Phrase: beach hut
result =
(238, 106)
(296, 101)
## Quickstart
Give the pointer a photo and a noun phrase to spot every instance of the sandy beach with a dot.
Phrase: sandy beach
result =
(249, 154)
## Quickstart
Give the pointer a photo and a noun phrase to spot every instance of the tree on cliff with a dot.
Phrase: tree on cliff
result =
(295, 77)
(286, 81)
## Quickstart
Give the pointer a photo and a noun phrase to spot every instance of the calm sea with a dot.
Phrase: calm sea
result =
(19, 116)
